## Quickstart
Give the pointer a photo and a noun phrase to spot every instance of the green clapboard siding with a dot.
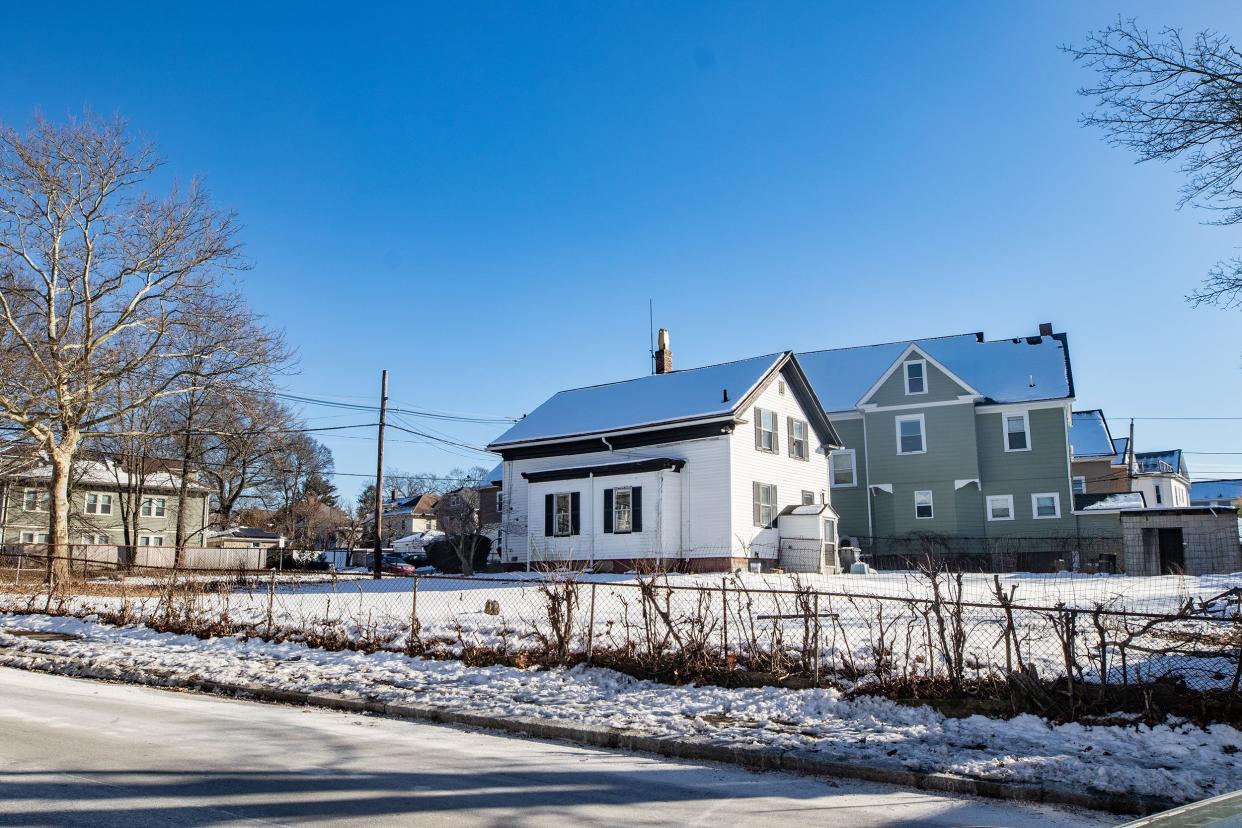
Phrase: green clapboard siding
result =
(1045, 468)
(939, 388)
(851, 502)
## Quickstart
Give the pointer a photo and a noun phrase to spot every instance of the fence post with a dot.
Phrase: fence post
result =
(21, 554)
(816, 649)
(591, 626)
(724, 615)
(414, 629)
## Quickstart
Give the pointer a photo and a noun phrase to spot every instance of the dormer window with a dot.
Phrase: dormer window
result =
(916, 377)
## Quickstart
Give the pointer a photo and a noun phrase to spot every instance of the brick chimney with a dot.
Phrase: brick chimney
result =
(663, 356)
(1045, 329)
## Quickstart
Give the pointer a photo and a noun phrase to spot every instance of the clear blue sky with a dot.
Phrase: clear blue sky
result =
(481, 198)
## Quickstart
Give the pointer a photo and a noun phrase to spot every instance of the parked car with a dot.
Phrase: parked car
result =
(396, 565)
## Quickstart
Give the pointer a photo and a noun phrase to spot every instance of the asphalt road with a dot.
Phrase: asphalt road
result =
(77, 752)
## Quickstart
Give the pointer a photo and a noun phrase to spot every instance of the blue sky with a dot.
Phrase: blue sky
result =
(482, 197)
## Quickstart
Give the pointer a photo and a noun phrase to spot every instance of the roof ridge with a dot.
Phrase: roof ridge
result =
(770, 357)
(976, 335)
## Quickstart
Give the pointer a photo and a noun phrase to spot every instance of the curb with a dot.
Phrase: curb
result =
(753, 757)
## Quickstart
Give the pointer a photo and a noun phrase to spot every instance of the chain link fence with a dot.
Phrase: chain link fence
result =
(1066, 645)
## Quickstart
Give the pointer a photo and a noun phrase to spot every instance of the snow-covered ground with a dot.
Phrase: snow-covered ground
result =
(867, 624)
(1177, 761)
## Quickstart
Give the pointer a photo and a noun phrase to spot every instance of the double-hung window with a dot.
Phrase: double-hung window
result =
(622, 510)
(1000, 507)
(910, 434)
(34, 500)
(1080, 484)
(99, 504)
(150, 540)
(808, 498)
(563, 518)
(799, 443)
(765, 504)
(1017, 432)
(1045, 505)
(767, 437)
(923, 505)
(843, 468)
(916, 376)
(154, 506)
(36, 537)
(90, 540)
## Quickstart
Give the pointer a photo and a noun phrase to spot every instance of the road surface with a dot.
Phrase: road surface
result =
(77, 752)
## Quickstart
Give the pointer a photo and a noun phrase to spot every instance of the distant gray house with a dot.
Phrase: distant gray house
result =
(956, 435)
(1223, 494)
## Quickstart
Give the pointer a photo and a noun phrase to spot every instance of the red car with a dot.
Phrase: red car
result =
(396, 565)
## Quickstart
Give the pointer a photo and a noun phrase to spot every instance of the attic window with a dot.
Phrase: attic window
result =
(916, 376)
(780, 386)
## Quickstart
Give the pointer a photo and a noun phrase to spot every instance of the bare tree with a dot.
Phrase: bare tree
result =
(99, 281)
(244, 435)
(1169, 99)
(460, 519)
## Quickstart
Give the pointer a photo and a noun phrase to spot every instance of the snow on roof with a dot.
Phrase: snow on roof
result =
(99, 473)
(660, 398)
(1228, 490)
(1003, 370)
(1089, 435)
(1167, 462)
(243, 532)
(1119, 500)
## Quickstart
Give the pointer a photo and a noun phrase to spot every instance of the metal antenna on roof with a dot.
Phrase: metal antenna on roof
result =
(651, 333)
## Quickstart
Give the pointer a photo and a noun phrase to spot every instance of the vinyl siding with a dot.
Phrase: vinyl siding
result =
(18, 521)
(1045, 468)
(940, 387)
(790, 476)
(851, 501)
(702, 495)
(949, 437)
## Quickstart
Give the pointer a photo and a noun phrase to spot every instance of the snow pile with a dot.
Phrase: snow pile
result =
(1176, 761)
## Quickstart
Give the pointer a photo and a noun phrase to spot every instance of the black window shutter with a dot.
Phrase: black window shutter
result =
(547, 516)
(607, 511)
(636, 508)
(575, 510)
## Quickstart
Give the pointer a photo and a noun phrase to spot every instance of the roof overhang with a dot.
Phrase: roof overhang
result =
(652, 464)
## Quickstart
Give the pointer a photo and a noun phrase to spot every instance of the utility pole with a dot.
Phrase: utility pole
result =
(379, 479)
(1132, 460)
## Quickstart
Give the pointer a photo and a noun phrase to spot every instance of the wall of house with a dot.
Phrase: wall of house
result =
(850, 502)
(1044, 468)
(950, 455)
(1102, 477)
(1174, 490)
(702, 497)
(89, 528)
(791, 476)
(940, 387)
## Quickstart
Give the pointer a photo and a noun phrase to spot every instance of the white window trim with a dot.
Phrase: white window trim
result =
(1056, 499)
(556, 523)
(1026, 424)
(150, 540)
(99, 503)
(806, 439)
(988, 506)
(853, 455)
(931, 502)
(905, 375)
(897, 421)
(42, 499)
(775, 431)
(772, 506)
(1074, 480)
(629, 530)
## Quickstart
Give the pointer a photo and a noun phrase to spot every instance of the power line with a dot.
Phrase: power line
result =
(413, 412)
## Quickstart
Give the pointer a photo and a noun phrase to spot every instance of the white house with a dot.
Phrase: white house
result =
(681, 470)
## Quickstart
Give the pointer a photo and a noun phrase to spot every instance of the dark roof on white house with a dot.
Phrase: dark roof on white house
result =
(1023, 369)
(713, 392)
(1227, 490)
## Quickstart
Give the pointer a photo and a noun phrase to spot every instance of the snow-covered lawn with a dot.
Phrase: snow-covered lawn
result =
(1177, 761)
(868, 625)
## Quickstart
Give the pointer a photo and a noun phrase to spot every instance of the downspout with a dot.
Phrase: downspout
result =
(591, 562)
(867, 474)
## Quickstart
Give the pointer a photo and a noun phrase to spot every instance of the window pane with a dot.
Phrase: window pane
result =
(563, 518)
(1046, 506)
(923, 504)
(621, 510)
(914, 377)
(911, 435)
(1015, 428)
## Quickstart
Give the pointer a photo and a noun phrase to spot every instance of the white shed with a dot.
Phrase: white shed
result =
(808, 538)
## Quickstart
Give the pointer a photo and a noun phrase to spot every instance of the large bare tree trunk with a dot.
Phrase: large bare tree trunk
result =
(60, 458)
